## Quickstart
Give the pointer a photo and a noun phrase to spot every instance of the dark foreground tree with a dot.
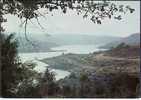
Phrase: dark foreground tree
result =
(17, 79)
(48, 86)
(28, 9)
(29, 86)
(121, 85)
(20, 79)
(9, 64)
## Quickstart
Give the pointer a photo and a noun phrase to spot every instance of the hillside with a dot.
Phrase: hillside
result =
(111, 73)
(43, 42)
(78, 39)
(126, 51)
(34, 45)
(124, 59)
(133, 39)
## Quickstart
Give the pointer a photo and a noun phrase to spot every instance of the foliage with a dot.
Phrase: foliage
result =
(17, 78)
(29, 86)
(48, 86)
(121, 85)
(98, 10)
(95, 10)
(20, 79)
(124, 85)
(9, 65)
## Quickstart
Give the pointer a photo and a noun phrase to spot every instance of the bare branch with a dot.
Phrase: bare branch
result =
(39, 23)
(26, 37)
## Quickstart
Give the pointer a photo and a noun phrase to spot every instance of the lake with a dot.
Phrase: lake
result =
(59, 74)
(40, 66)
(78, 49)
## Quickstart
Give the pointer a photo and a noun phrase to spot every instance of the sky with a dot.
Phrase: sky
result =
(71, 23)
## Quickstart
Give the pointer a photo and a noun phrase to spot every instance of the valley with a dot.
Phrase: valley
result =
(102, 61)
(94, 67)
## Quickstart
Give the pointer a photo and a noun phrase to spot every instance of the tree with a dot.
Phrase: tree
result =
(124, 85)
(48, 86)
(28, 9)
(29, 86)
(84, 80)
(95, 10)
(9, 64)
(17, 79)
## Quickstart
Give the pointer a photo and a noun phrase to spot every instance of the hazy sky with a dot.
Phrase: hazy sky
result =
(71, 23)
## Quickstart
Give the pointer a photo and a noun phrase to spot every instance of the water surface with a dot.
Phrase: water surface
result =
(41, 67)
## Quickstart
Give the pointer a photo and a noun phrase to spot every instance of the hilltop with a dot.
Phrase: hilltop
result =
(131, 40)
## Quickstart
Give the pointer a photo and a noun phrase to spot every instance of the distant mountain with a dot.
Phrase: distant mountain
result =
(44, 42)
(34, 45)
(131, 40)
(77, 39)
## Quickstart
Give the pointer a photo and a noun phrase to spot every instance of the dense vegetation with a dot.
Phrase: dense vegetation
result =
(20, 80)
(13, 71)
(101, 86)
(124, 50)
(112, 74)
